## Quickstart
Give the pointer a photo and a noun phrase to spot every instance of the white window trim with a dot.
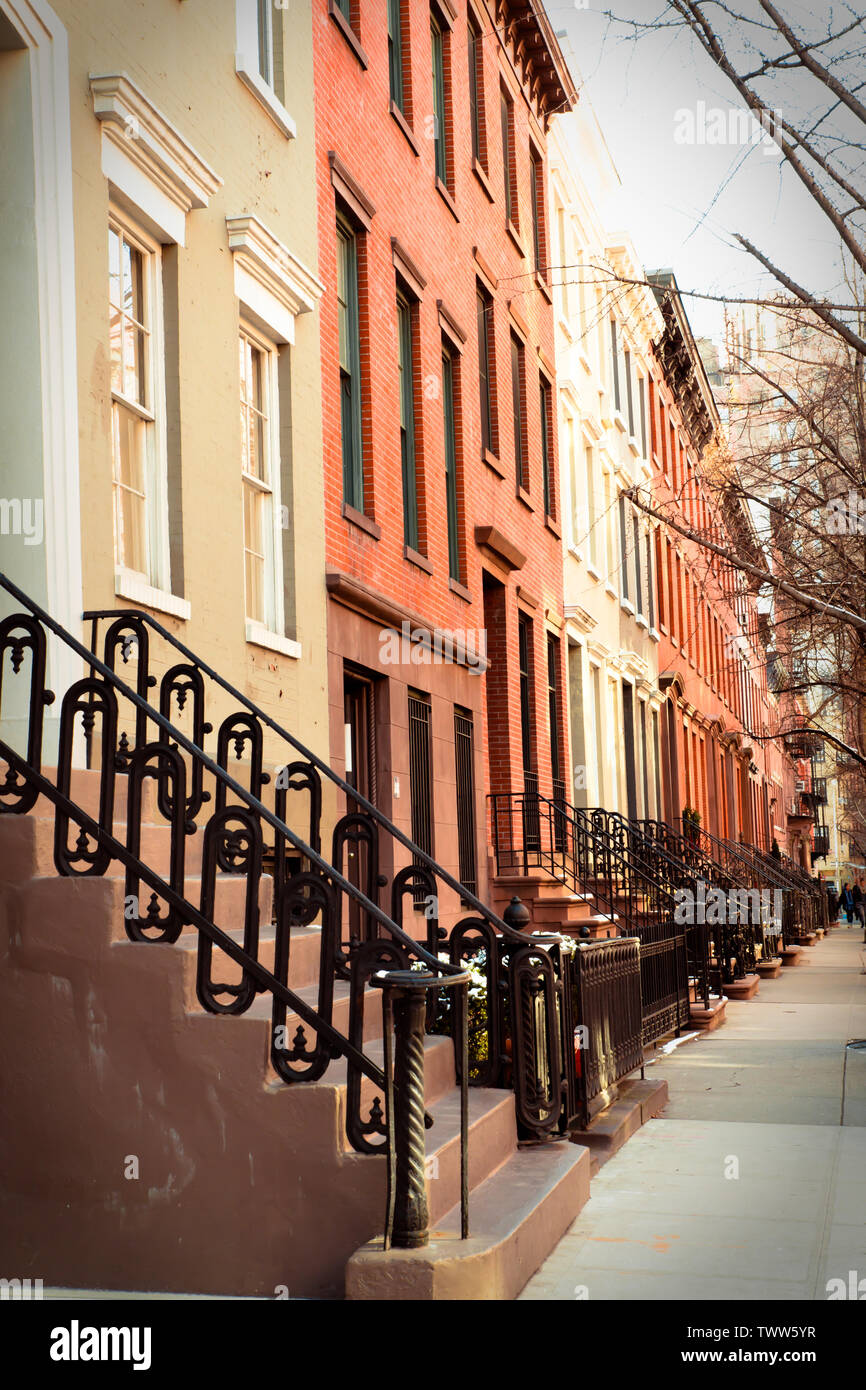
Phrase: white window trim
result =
(158, 580)
(147, 161)
(128, 584)
(247, 67)
(274, 607)
(259, 636)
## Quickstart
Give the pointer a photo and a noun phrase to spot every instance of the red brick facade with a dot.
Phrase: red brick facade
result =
(442, 242)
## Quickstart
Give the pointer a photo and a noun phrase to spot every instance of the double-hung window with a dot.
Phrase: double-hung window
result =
(407, 421)
(476, 90)
(270, 32)
(395, 54)
(450, 464)
(257, 363)
(484, 314)
(440, 148)
(614, 363)
(137, 405)
(520, 460)
(350, 365)
(506, 114)
(544, 403)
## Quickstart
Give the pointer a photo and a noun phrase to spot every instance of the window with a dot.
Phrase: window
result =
(506, 114)
(407, 421)
(484, 309)
(137, 406)
(638, 576)
(259, 473)
(591, 506)
(623, 547)
(524, 654)
(641, 397)
(350, 365)
(270, 36)
(520, 461)
(614, 362)
(464, 756)
(538, 229)
(450, 465)
(564, 258)
(553, 716)
(259, 57)
(628, 391)
(476, 93)
(395, 53)
(439, 107)
(421, 776)
(650, 584)
(546, 475)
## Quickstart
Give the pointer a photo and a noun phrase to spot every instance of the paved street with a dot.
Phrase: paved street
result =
(747, 1187)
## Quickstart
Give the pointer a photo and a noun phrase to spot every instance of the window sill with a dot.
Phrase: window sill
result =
(619, 421)
(460, 590)
(260, 636)
(642, 622)
(515, 235)
(524, 497)
(576, 552)
(478, 171)
(655, 635)
(362, 521)
(564, 326)
(610, 591)
(263, 94)
(136, 588)
(348, 33)
(627, 606)
(584, 362)
(634, 446)
(416, 558)
(493, 462)
(447, 198)
(593, 572)
(542, 285)
(553, 526)
(404, 126)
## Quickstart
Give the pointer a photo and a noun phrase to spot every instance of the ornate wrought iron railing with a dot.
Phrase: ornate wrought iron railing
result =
(773, 901)
(130, 734)
(533, 832)
(607, 985)
(729, 939)
(364, 842)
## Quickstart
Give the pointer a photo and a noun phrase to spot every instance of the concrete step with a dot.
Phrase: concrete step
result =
(516, 1217)
(492, 1141)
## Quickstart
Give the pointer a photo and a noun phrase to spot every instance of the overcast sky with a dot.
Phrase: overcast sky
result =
(682, 202)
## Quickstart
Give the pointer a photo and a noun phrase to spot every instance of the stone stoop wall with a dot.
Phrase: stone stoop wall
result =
(243, 1186)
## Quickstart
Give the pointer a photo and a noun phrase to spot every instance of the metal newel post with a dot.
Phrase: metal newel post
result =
(411, 1215)
(404, 999)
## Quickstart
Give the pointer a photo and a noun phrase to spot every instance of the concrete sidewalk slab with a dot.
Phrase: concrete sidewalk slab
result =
(748, 1188)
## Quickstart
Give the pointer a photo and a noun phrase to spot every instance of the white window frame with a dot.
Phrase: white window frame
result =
(248, 38)
(274, 613)
(157, 578)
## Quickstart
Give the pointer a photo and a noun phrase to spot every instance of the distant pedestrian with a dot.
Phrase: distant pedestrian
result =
(858, 892)
(848, 903)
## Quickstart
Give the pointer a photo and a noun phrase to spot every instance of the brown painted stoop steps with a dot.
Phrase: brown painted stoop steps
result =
(149, 1145)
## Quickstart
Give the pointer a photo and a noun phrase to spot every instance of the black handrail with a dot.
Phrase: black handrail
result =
(321, 766)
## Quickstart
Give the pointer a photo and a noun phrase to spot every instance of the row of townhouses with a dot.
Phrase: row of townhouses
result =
(323, 368)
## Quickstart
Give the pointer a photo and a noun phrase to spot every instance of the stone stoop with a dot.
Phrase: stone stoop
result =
(637, 1102)
(552, 906)
(769, 969)
(792, 955)
(708, 1020)
(245, 1185)
(746, 988)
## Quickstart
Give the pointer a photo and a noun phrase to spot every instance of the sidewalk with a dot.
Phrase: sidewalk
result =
(747, 1187)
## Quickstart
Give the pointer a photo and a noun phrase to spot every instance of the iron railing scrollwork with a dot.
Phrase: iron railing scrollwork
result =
(148, 729)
